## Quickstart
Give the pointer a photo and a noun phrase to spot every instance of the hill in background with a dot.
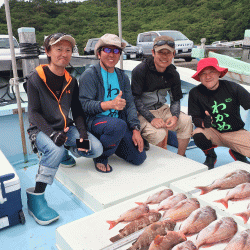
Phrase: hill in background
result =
(212, 19)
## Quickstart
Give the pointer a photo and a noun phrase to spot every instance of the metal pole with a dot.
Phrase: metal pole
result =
(120, 28)
(13, 59)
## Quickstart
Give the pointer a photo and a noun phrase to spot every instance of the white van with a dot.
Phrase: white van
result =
(183, 46)
(5, 46)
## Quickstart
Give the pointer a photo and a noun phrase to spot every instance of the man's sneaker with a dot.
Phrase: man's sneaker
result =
(146, 144)
(69, 163)
(238, 157)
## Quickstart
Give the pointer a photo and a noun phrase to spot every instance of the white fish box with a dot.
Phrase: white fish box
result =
(92, 232)
(161, 168)
(188, 185)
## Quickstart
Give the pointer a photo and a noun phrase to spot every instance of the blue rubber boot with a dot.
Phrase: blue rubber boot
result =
(69, 162)
(38, 208)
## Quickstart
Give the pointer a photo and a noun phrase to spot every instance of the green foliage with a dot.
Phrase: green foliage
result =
(212, 19)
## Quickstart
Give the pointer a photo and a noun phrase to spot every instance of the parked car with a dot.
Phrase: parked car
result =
(130, 51)
(90, 46)
(5, 45)
(183, 46)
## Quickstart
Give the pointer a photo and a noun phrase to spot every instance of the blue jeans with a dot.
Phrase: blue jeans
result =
(116, 138)
(53, 155)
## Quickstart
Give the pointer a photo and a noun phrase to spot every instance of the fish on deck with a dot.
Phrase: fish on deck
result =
(168, 241)
(242, 191)
(197, 220)
(182, 209)
(149, 234)
(217, 231)
(229, 180)
(157, 197)
(130, 215)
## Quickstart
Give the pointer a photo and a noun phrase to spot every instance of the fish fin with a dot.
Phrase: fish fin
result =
(115, 238)
(158, 239)
(182, 235)
(112, 223)
(204, 190)
(223, 202)
(244, 216)
(139, 203)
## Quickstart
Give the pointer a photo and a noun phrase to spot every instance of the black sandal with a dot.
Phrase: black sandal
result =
(99, 170)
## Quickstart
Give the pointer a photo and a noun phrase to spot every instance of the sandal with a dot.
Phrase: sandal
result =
(99, 170)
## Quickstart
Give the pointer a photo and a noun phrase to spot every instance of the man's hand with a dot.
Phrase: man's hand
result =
(82, 149)
(158, 123)
(137, 139)
(119, 103)
(59, 137)
(171, 122)
(207, 122)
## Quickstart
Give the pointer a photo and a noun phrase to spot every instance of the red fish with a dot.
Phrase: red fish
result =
(245, 215)
(157, 197)
(230, 180)
(242, 191)
(217, 231)
(171, 201)
(130, 215)
(168, 241)
(136, 225)
(182, 209)
(150, 232)
(186, 245)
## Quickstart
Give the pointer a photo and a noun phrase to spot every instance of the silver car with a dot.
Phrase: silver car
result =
(183, 46)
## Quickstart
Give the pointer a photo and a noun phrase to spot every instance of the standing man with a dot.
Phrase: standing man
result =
(215, 109)
(151, 81)
(106, 98)
(52, 94)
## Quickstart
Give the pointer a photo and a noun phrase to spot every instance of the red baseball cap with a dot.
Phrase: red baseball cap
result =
(209, 62)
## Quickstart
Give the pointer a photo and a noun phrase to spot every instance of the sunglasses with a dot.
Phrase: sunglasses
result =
(163, 42)
(109, 50)
(56, 36)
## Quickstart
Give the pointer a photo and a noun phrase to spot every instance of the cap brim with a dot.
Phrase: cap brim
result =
(165, 46)
(65, 38)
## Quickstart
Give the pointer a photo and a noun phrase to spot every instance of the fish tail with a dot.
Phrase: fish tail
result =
(112, 223)
(115, 238)
(244, 216)
(204, 190)
(223, 202)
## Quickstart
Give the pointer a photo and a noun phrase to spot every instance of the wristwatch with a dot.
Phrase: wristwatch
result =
(136, 127)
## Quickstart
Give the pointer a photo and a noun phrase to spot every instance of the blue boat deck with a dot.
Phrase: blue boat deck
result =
(33, 236)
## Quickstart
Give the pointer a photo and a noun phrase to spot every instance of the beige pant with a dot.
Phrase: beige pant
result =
(153, 135)
(239, 141)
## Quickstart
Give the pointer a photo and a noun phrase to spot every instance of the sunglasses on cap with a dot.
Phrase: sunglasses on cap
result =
(109, 50)
(163, 42)
(56, 36)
